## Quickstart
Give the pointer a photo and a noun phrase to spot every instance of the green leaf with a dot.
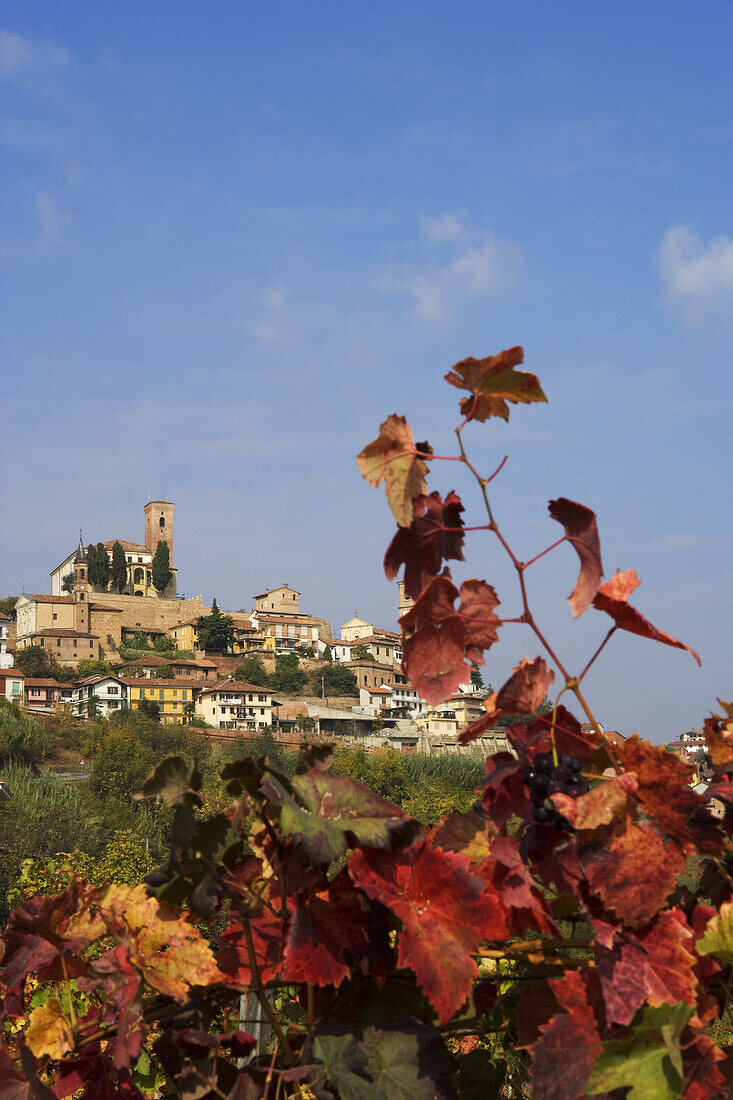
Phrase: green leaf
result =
(365, 819)
(345, 1063)
(173, 780)
(478, 1077)
(718, 936)
(397, 1063)
(648, 1059)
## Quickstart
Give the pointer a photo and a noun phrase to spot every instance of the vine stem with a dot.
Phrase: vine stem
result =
(260, 993)
(598, 651)
(72, 1013)
(571, 683)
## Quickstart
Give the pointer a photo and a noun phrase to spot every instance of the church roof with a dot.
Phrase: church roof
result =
(132, 547)
(81, 554)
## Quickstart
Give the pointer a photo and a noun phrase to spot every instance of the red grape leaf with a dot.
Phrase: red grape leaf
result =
(526, 907)
(563, 1057)
(504, 791)
(492, 382)
(425, 545)
(478, 600)
(391, 458)
(267, 937)
(633, 872)
(438, 642)
(524, 690)
(327, 934)
(662, 786)
(581, 530)
(612, 597)
(705, 1080)
(669, 945)
(445, 910)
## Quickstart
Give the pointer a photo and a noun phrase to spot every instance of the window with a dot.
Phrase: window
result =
(58, 641)
(55, 615)
(184, 693)
(35, 691)
(91, 643)
(81, 574)
(175, 691)
(112, 690)
(129, 557)
(139, 559)
(162, 523)
(82, 596)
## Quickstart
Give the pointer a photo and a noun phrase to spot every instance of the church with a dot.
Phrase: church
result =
(89, 621)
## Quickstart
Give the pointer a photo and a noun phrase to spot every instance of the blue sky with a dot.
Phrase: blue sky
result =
(236, 237)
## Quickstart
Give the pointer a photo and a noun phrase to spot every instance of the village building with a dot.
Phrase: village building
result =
(174, 698)
(100, 695)
(233, 705)
(11, 684)
(6, 659)
(44, 694)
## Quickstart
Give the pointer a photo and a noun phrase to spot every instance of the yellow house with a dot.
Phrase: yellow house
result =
(172, 696)
(234, 705)
(184, 635)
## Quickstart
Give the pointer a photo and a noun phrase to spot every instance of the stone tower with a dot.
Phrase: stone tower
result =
(159, 525)
(81, 585)
(404, 602)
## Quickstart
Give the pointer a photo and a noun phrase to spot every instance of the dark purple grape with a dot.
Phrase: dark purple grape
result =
(537, 781)
(572, 763)
(542, 815)
(543, 762)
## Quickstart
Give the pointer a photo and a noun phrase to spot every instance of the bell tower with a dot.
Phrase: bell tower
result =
(404, 602)
(81, 585)
(159, 525)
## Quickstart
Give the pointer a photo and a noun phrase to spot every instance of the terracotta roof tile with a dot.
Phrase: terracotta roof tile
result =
(40, 598)
(155, 682)
(60, 632)
(131, 547)
(234, 686)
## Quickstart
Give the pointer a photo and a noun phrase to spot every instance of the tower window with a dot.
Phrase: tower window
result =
(162, 522)
(81, 574)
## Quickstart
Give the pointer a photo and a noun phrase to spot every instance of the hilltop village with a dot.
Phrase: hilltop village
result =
(112, 634)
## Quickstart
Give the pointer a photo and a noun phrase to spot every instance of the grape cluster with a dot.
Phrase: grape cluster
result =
(545, 777)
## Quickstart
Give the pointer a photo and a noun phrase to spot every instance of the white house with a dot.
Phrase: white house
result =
(102, 695)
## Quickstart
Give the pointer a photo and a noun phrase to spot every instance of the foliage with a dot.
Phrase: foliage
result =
(164, 672)
(120, 764)
(7, 605)
(161, 566)
(303, 722)
(22, 739)
(67, 582)
(150, 709)
(139, 642)
(165, 646)
(89, 666)
(287, 676)
(539, 943)
(34, 661)
(98, 565)
(252, 671)
(335, 679)
(477, 680)
(119, 567)
(361, 653)
(215, 631)
(327, 654)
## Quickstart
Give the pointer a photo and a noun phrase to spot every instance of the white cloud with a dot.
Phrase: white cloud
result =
(19, 55)
(460, 263)
(697, 275)
(50, 218)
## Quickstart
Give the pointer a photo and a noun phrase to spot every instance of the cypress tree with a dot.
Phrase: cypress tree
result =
(119, 567)
(102, 569)
(161, 566)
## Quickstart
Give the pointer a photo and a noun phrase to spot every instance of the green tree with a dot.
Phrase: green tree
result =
(164, 645)
(164, 672)
(162, 566)
(22, 739)
(89, 666)
(335, 679)
(139, 640)
(34, 661)
(92, 706)
(121, 763)
(327, 654)
(303, 722)
(361, 653)
(91, 563)
(119, 568)
(252, 671)
(149, 708)
(126, 859)
(102, 566)
(477, 680)
(215, 631)
(67, 582)
(287, 675)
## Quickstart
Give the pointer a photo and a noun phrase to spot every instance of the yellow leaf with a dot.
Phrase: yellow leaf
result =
(391, 458)
(49, 1031)
(163, 946)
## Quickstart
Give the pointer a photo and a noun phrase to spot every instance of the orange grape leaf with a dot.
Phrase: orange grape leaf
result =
(524, 690)
(662, 786)
(601, 804)
(49, 1032)
(719, 735)
(581, 529)
(478, 600)
(425, 544)
(391, 458)
(492, 382)
(164, 947)
(612, 597)
(445, 911)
